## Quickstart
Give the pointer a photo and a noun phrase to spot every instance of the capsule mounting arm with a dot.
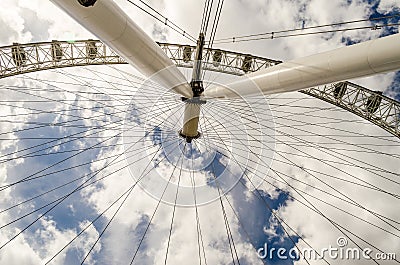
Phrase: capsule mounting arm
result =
(358, 60)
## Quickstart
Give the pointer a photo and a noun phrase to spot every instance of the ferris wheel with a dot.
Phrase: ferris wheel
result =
(203, 156)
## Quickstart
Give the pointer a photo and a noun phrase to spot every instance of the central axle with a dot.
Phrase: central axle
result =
(192, 106)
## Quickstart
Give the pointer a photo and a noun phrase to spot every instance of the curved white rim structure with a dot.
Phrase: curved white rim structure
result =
(30, 57)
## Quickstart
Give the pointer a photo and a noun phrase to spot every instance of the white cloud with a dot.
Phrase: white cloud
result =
(386, 5)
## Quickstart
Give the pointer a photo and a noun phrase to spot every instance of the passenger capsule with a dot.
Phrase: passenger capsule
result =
(340, 90)
(247, 63)
(56, 51)
(187, 54)
(374, 101)
(217, 58)
(18, 55)
(91, 49)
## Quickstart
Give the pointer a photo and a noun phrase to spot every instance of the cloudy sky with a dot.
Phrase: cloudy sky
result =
(327, 174)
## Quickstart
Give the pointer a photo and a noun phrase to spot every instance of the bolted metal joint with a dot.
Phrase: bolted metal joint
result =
(189, 138)
(87, 3)
(196, 100)
(197, 87)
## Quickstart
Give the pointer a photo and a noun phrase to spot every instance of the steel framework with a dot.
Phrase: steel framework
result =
(25, 58)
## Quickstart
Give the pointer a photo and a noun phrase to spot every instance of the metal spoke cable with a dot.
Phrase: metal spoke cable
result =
(206, 16)
(279, 218)
(337, 153)
(78, 149)
(128, 191)
(350, 200)
(64, 113)
(28, 91)
(154, 213)
(163, 121)
(295, 179)
(125, 75)
(174, 209)
(90, 224)
(369, 186)
(59, 202)
(330, 221)
(77, 93)
(330, 143)
(315, 209)
(111, 85)
(330, 186)
(272, 34)
(63, 160)
(291, 196)
(319, 189)
(89, 85)
(165, 21)
(120, 206)
(260, 196)
(134, 80)
(231, 243)
(36, 177)
(318, 26)
(209, 147)
(215, 23)
(66, 137)
(84, 185)
(239, 166)
(213, 31)
(70, 139)
(46, 212)
(139, 81)
(343, 163)
(198, 227)
(305, 34)
(317, 159)
(70, 83)
(316, 134)
(137, 151)
(325, 202)
(69, 104)
(107, 225)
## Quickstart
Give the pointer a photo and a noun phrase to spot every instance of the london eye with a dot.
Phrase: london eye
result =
(123, 150)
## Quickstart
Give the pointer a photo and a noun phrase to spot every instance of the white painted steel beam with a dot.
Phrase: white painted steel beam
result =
(109, 23)
(363, 59)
